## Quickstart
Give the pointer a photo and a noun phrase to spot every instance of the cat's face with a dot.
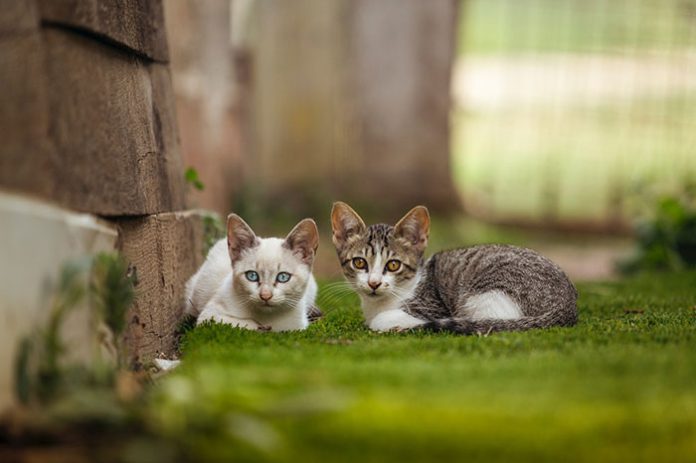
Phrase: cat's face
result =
(380, 261)
(271, 274)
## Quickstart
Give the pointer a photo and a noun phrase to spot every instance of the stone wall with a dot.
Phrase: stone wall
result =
(88, 125)
(86, 120)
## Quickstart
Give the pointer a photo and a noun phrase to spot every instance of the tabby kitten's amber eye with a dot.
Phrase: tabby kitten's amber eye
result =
(359, 263)
(393, 265)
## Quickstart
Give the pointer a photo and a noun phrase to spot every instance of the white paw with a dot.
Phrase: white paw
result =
(394, 320)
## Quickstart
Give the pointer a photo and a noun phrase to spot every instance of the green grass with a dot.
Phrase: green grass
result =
(617, 387)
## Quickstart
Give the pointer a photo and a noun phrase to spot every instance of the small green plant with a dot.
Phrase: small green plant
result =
(111, 290)
(111, 294)
(213, 230)
(38, 366)
(666, 239)
(41, 369)
(191, 177)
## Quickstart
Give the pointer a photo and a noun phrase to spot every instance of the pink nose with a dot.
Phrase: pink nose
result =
(374, 284)
(265, 296)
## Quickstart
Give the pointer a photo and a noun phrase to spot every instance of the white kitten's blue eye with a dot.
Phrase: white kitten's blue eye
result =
(251, 276)
(283, 277)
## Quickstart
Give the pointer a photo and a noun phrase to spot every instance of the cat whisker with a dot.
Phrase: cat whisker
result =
(343, 292)
(336, 291)
(334, 296)
(336, 283)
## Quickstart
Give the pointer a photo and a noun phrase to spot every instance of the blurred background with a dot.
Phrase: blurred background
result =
(555, 124)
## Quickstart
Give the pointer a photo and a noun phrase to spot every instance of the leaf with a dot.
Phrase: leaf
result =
(668, 240)
(192, 178)
(672, 210)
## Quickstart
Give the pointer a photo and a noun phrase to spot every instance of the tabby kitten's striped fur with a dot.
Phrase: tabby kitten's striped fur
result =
(473, 290)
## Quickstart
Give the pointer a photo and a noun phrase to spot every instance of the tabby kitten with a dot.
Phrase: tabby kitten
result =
(479, 289)
(257, 283)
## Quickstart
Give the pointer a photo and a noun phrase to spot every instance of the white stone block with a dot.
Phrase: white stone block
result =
(36, 240)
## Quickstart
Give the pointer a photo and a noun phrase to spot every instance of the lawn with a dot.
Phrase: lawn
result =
(620, 386)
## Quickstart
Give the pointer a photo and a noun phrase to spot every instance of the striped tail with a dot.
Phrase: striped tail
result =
(467, 326)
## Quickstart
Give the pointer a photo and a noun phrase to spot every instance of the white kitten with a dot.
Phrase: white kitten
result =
(257, 283)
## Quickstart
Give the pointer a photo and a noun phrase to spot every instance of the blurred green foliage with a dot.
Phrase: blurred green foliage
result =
(37, 366)
(44, 370)
(666, 239)
(111, 290)
(191, 177)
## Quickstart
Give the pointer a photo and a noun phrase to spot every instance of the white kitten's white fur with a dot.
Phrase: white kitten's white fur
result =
(220, 290)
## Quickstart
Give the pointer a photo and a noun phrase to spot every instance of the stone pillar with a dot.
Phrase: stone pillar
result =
(87, 123)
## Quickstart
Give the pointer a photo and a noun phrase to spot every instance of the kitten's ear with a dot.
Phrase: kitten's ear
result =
(303, 240)
(414, 227)
(345, 223)
(240, 236)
